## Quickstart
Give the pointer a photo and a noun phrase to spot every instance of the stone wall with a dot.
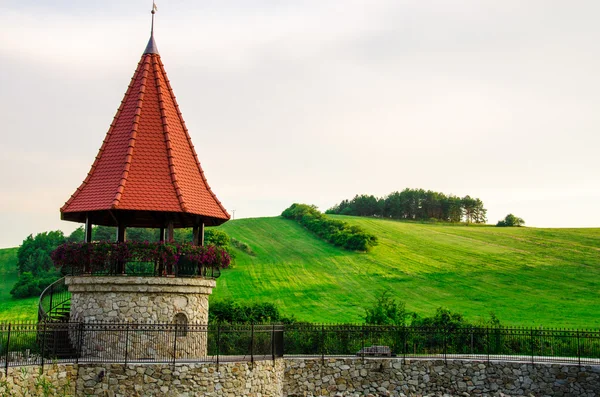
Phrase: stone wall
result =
(305, 377)
(141, 300)
(56, 380)
(261, 378)
(393, 377)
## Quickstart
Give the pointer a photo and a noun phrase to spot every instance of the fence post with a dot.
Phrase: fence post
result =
(404, 343)
(126, 342)
(44, 336)
(273, 342)
(487, 333)
(218, 343)
(322, 344)
(362, 337)
(174, 344)
(79, 346)
(7, 350)
(471, 340)
(252, 345)
(531, 340)
(444, 333)
(578, 350)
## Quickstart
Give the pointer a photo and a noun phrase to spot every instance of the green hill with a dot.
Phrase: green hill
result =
(13, 309)
(527, 276)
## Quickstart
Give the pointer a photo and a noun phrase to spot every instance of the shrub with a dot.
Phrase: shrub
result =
(231, 312)
(510, 220)
(334, 231)
(29, 285)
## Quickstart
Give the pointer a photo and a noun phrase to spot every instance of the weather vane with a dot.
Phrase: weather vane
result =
(154, 9)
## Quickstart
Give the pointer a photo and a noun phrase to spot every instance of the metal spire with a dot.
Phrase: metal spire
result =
(151, 48)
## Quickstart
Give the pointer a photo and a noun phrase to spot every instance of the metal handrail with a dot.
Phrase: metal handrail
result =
(54, 297)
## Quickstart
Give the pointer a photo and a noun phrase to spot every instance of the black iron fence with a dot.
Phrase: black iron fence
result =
(481, 343)
(39, 343)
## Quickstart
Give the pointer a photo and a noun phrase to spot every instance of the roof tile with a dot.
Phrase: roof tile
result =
(147, 160)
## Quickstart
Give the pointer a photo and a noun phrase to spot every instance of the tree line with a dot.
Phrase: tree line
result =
(415, 204)
(334, 231)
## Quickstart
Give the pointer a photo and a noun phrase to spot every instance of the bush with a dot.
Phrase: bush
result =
(231, 312)
(511, 220)
(28, 285)
(242, 246)
(386, 311)
(336, 232)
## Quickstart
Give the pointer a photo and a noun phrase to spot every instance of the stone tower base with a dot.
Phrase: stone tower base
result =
(129, 303)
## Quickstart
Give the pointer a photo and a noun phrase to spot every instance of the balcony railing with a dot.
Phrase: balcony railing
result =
(140, 259)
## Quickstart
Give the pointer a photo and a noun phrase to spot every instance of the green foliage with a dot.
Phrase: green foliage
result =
(109, 233)
(34, 264)
(414, 204)
(510, 220)
(27, 285)
(443, 318)
(386, 311)
(13, 309)
(34, 253)
(228, 311)
(77, 235)
(242, 246)
(216, 237)
(104, 233)
(334, 231)
(529, 276)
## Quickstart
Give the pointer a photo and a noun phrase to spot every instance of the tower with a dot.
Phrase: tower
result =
(146, 174)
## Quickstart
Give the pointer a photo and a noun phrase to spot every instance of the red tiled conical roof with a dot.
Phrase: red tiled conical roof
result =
(147, 171)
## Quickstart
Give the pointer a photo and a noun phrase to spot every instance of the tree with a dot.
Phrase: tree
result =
(36, 269)
(34, 253)
(511, 220)
(386, 311)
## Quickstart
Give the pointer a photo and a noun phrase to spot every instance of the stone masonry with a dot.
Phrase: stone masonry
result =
(140, 300)
(294, 377)
(395, 377)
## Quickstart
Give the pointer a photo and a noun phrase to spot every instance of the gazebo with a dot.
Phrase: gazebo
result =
(146, 174)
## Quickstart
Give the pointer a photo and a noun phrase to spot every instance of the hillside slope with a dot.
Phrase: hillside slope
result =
(13, 309)
(527, 276)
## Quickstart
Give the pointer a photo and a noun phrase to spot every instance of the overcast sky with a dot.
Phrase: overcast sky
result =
(315, 101)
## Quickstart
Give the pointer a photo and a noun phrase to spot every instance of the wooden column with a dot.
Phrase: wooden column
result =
(88, 230)
(202, 234)
(161, 234)
(195, 235)
(170, 231)
(120, 239)
(121, 235)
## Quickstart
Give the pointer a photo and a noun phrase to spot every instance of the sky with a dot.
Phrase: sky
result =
(315, 101)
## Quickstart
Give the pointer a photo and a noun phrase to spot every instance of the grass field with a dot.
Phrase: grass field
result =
(526, 276)
(13, 309)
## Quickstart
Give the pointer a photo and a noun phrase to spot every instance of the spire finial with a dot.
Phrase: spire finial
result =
(151, 47)
(154, 8)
